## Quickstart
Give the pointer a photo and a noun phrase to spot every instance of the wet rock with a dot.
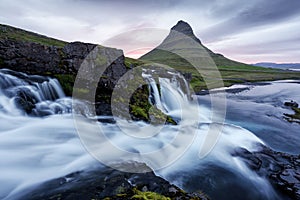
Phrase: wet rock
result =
(281, 169)
(107, 183)
(291, 104)
(25, 100)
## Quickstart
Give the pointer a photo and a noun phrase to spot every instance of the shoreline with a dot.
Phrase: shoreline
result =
(243, 86)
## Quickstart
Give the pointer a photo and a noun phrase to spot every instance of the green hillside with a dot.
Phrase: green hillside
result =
(12, 33)
(231, 71)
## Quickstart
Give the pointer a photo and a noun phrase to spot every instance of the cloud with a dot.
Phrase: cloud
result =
(232, 27)
(256, 13)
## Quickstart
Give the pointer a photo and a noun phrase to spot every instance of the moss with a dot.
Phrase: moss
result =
(141, 109)
(137, 194)
(131, 62)
(149, 195)
(67, 82)
(293, 117)
(139, 112)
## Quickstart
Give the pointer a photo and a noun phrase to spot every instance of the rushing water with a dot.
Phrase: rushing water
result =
(260, 108)
(43, 144)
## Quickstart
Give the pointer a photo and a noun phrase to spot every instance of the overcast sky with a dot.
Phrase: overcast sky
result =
(247, 31)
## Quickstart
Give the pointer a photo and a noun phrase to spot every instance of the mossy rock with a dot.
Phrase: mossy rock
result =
(131, 62)
(141, 109)
(148, 196)
(67, 82)
(293, 117)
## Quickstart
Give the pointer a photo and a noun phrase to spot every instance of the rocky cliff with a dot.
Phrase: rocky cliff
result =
(35, 58)
(31, 53)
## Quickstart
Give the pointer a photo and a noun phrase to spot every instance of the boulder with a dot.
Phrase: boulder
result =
(291, 104)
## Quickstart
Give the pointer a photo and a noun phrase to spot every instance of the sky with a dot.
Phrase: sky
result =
(247, 31)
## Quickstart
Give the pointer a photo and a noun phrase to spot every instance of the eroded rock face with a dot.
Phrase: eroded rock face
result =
(33, 58)
(282, 169)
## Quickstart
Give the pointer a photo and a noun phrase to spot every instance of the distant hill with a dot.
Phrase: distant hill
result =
(157, 55)
(231, 71)
(289, 66)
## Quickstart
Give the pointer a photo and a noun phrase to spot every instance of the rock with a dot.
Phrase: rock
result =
(62, 63)
(107, 183)
(291, 104)
(292, 117)
(183, 28)
(34, 58)
(281, 169)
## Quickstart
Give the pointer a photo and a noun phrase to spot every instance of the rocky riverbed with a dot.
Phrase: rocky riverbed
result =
(282, 170)
(110, 184)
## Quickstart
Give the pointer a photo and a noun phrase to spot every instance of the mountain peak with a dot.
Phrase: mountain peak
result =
(183, 27)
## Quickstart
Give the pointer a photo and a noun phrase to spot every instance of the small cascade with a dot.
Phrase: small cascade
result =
(35, 95)
(154, 96)
(168, 93)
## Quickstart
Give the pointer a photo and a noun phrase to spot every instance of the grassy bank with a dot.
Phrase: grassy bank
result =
(12, 33)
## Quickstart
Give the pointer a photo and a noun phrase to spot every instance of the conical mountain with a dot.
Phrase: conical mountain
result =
(178, 36)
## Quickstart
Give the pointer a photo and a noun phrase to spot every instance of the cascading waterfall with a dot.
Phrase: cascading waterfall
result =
(37, 149)
(32, 94)
(171, 95)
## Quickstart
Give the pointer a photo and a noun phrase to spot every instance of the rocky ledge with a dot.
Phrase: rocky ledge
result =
(34, 54)
(110, 184)
(282, 170)
(292, 117)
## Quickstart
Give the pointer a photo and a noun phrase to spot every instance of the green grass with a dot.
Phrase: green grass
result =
(8, 32)
(131, 62)
(231, 72)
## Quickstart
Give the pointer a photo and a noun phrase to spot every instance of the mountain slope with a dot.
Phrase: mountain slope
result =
(231, 71)
(158, 55)
(12, 33)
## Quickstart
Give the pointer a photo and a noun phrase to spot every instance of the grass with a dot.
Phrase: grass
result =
(231, 72)
(8, 32)
(130, 62)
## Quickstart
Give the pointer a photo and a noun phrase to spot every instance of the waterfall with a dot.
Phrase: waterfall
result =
(31, 94)
(169, 94)
(36, 149)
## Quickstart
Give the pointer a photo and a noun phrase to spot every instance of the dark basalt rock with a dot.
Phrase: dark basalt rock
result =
(62, 63)
(34, 58)
(184, 28)
(282, 169)
(291, 104)
(106, 183)
(25, 100)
